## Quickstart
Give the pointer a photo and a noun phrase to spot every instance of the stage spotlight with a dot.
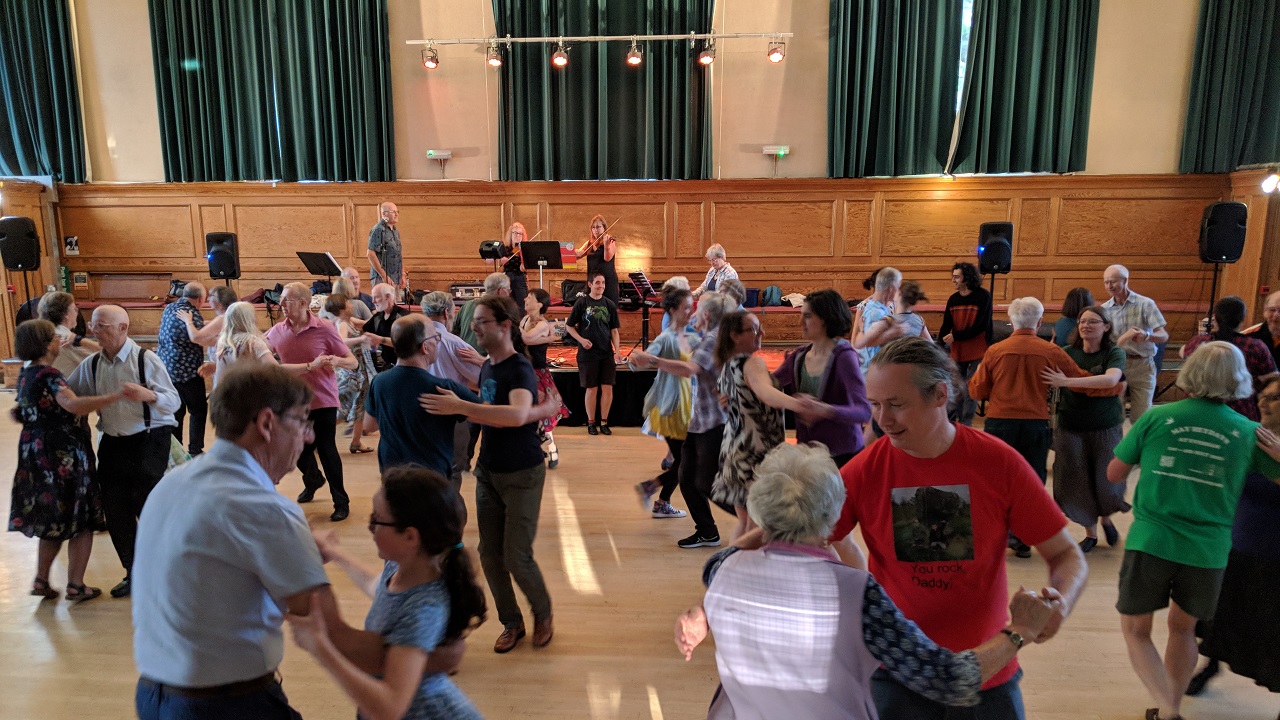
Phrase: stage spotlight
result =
(430, 59)
(1270, 183)
(777, 50)
(493, 57)
(634, 56)
(708, 54)
(560, 57)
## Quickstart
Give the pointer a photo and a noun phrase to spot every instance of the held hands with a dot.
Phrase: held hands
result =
(309, 631)
(137, 393)
(326, 543)
(811, 409)
(206, 370)
(1032, 614)
(374, 339)
(691, 630)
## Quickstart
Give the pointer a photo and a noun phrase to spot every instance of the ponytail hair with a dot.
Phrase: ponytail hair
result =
(423, 500)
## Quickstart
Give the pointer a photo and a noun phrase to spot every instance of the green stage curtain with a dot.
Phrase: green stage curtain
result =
(1028, 79)
(273, 89)
(894, 67)
(40, 131)
(1233, 111)
(599, 118)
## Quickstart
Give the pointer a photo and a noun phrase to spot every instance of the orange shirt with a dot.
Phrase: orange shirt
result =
(1009, 376)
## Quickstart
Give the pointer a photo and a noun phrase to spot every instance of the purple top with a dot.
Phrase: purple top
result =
(842, 388)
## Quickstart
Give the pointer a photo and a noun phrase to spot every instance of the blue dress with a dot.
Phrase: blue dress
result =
(417, 618)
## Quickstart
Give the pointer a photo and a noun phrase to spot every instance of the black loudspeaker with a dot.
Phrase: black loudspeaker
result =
(1222, 232)
(223, 255)
(19, 244)
(995, 248)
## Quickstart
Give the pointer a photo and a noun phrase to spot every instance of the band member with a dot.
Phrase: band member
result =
(513, 266)
(600, 251)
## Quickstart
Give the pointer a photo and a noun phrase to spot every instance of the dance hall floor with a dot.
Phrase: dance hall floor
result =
(617, 581)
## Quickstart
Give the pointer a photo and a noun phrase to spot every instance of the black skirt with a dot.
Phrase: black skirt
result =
(1245, 631)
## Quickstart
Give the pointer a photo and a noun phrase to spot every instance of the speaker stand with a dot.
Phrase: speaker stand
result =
(1213, 295)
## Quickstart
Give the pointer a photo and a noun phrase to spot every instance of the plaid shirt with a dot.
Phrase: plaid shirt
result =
(707, 414)
(1138, 311)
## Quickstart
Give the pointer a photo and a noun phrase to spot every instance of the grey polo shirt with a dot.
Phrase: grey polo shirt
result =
(125, 417)
(218, 553)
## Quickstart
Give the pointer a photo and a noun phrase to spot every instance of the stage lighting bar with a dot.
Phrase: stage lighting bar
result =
(634, 57)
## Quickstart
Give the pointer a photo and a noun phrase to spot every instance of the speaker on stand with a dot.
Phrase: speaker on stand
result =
(995, 251)
(1222, 232)
(20, 247)
(223, 254)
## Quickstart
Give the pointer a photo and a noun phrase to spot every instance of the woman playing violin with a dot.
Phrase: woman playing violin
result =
(513, 266)
(600, 250)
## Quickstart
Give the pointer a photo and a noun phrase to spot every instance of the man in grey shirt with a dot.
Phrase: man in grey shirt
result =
(134, 450)
(385, 253)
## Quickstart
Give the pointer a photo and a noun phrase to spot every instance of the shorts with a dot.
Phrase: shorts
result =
(594, 373)
(1147, 582)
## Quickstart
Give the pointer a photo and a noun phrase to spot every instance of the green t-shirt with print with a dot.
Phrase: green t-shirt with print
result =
(1194, 455)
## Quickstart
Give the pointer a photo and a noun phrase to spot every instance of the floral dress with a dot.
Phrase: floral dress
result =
(55, 495)
(753, 430)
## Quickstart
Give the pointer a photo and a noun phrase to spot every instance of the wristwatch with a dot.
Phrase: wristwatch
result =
(1015, 638)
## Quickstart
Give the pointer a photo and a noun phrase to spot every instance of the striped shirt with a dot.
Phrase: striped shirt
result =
(1138, 311)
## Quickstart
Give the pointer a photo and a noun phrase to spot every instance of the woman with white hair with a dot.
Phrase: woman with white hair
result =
(240, 341)
(1193, 455)
(720, 270)
(826, 626)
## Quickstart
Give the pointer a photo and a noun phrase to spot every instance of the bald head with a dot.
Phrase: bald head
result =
(110, 325)
(194, 292)
(390, 213)
(414, 341)
(1116, 280)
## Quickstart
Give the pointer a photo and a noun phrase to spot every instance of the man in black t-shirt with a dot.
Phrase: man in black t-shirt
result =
(378, 328)
(594, 324)
(509, 471)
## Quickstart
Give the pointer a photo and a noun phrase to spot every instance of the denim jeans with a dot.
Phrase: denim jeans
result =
(896, 702)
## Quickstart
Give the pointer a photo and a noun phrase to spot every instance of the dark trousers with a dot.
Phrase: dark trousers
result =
(896, 702)
(1031, 438)
(698, 461)
(965, 406)
(157, 702)
(325, 421)
(507, 507)
(195, 402)
(465, 437)
(125, 487)
(670, 478)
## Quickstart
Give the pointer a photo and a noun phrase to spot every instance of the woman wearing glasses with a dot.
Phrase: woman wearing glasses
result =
(1088, 430)
(600, 250)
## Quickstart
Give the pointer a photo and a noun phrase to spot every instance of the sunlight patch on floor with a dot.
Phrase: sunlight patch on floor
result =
(573, 549)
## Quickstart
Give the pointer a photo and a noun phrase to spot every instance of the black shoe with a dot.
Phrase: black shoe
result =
(593, 429)
(1086, 544)
(307, 495)
(604, 429)
(696, 541)
(1112, 534)
(1021, 549)
(122, 589)
(340, 513)
(1202, 678)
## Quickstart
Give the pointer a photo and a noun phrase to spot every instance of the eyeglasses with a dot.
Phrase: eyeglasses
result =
(374, 523)
(1090, 322)
(302, 420)
(100, 324)
(431, 337)
(290, 300)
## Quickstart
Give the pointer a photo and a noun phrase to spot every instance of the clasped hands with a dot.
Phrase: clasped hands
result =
(1037, 616)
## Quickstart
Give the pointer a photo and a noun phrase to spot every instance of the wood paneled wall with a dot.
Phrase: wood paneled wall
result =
(798, 234)
(25, 199)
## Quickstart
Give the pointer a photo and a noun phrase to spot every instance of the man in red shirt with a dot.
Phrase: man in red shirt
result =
(936, 503)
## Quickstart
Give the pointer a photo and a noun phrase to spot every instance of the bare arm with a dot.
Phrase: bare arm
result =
(331, 550)
(206, 336)
(849, 552)
(617, 341)
(83, 405)
(585, 343)
(376, 264)
(679, 368)
(1118, 470)
(520, 411)
(1067, 576)
(364, 649)
(761, 383)
(610, 248)
(1055, 378)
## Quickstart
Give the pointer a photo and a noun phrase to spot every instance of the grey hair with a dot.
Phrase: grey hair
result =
(716, 251)
(436, 303)
(713, 306)
(1025, 312)
(344, 286)
(797, 493)
(301, 290)
(222, 295)
(1216, 371)
(931, 364)
(495, 282)
(734, 289)
(679, 281)
(888, 278)
(193, 291)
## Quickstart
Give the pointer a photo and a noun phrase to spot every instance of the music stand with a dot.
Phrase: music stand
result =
(543, 254)
(644, 289)
(320, 264)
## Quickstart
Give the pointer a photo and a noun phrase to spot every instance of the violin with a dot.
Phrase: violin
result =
(595, 243)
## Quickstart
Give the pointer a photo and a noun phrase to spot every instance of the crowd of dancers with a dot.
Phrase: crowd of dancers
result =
(883, 411)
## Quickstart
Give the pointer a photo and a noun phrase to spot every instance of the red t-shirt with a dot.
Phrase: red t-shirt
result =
(939, 549)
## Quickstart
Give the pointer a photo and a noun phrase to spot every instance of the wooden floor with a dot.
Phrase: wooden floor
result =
(617, 581)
